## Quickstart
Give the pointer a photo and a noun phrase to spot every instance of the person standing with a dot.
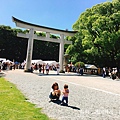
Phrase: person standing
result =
(58, 69)
(104, 72)
(114, 74)
(40, 68)
(71, 67)
(65, 95)
(47, 69)
(81, 71)
(36, 66)
(0, 65)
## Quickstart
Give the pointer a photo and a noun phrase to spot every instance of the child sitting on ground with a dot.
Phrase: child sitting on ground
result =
(65, 94)
(55, 92)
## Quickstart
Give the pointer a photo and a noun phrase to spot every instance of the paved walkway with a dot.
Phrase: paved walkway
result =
(90, 98)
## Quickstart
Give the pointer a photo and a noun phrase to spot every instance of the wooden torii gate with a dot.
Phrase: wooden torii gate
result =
(31, 36)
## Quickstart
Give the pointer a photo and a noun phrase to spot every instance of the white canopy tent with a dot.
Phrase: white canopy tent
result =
(51, 63)
(45, 62)
(8, 61)
(38, 62)
(34, 61)
(2, 59)
(41, 62)
(89, 66)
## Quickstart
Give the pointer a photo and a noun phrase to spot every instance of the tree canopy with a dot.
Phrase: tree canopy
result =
(13, 47)
(98, 38)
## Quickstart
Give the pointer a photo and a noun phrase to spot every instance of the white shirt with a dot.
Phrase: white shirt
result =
(47, 66)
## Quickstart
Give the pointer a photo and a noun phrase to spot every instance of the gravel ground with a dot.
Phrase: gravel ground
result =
(84, 103)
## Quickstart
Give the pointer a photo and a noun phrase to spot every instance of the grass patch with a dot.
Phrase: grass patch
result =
(13, 104)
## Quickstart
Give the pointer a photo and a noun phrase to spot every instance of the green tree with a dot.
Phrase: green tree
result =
(75, 50)
(79, 64)
(13, 47)
(98, 37)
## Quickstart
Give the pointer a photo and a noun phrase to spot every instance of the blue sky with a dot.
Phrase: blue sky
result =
(61, 14)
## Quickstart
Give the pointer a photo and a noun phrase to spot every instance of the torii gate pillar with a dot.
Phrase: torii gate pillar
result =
(61, 52)
(29, 51)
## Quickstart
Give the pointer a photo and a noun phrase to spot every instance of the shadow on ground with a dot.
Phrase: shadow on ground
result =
(59, 103)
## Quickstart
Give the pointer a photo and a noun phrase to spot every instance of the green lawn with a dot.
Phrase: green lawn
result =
(13, 104)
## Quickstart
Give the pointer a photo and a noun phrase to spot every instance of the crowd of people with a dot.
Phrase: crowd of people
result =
(111, 72)
(7, 65)
(41, 67)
